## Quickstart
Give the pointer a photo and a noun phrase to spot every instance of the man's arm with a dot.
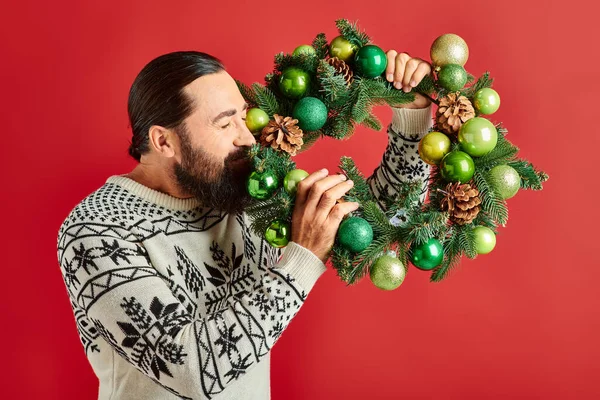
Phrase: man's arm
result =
(112, 281)
(401, 161)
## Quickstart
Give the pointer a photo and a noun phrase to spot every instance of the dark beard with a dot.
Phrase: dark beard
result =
(201, 175)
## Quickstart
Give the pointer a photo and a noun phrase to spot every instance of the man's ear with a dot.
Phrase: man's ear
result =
(162, 140)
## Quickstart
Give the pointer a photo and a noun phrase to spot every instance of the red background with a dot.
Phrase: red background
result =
(522, 322)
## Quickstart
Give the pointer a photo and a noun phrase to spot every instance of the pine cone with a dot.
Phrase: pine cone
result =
(462, 202)
(282, 133)
(453, 111)
(341, 68)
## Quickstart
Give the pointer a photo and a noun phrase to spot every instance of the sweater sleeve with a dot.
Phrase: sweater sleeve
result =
(153, 328)
(401, 161)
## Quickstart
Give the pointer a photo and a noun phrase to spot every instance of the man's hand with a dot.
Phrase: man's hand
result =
(407, 72)
(317, 214)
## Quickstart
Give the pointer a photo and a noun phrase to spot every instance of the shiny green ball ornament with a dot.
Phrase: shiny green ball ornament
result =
(387, 272)
(304, 49)
(355, 234)
(256, 119)
(370, 61)
(457, 166)
(485, 239)
(486, 101)
(452, 77)
(311, 114)
(477, 137)
(341, 48)
(505, 180)
(449, 49)
(428, 255)
(294, 82)
(433, 147)
(278, 234)
(262, 185)
(291, 180)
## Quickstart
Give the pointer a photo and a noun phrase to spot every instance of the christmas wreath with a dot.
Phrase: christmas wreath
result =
(326, 89)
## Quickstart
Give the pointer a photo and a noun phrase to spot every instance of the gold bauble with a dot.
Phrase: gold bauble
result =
(449, 49)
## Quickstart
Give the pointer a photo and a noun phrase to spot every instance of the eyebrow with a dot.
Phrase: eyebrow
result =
(228, 113)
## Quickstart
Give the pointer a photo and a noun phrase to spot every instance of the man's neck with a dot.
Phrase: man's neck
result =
(156, 178)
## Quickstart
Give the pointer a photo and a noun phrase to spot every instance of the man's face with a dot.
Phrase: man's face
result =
(213, 165)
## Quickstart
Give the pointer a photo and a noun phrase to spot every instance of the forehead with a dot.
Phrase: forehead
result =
(214, 93)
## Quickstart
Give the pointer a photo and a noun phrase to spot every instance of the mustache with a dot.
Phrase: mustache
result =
(240, 154)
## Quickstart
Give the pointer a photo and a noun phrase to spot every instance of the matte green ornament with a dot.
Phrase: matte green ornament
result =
(311, 114)
(505, 180)
(477, 137)
(278, 234)
(486, 101)
(304, 49)
(355, 234)
(262, 185)
(428, 255)
(457, 166)
(294, 82)
(291, 180)
(485, 239)
(387, 272)
(452, 77)
(370, 61)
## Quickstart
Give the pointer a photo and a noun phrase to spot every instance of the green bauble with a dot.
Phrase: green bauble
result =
(457, 166)
(387, 272)
(311, 114)
(427, 255)
(452, 77)
(370, 61)
(294, 82)
(485, 239)
(291, 180)
(449, 49)
(304, 49)
(262, 185)
(433, 147)
(477, 137)
(355, 234)
(341, 48)
(486, 101)
(256, 119)
(278, 234)
(505, 181)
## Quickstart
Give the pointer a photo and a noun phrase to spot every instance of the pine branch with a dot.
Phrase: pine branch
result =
(364, 261)
(490, 201)
(266, 100)
(321, 45)
(304, 61)
(267, 211)
(334, 87)
(452, 255)
(247, 93)
(351, 33)
(484, 81)
(504, 152)
(382, 92)
(530, 177)
(372, 122)
(361, 191)
(361, 108)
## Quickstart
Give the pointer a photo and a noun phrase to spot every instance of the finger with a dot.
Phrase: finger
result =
(422, 70)
(330, 197)
(320, 187)
(409, 70)
(400, 61)
(391, 64)
(304, 185)
(337, 213)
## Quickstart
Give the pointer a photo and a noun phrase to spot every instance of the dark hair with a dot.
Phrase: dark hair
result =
(157, 98)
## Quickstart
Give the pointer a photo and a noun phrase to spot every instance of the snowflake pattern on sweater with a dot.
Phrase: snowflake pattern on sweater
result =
(189, 296)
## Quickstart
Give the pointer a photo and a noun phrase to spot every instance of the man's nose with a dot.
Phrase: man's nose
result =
(245, 137)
